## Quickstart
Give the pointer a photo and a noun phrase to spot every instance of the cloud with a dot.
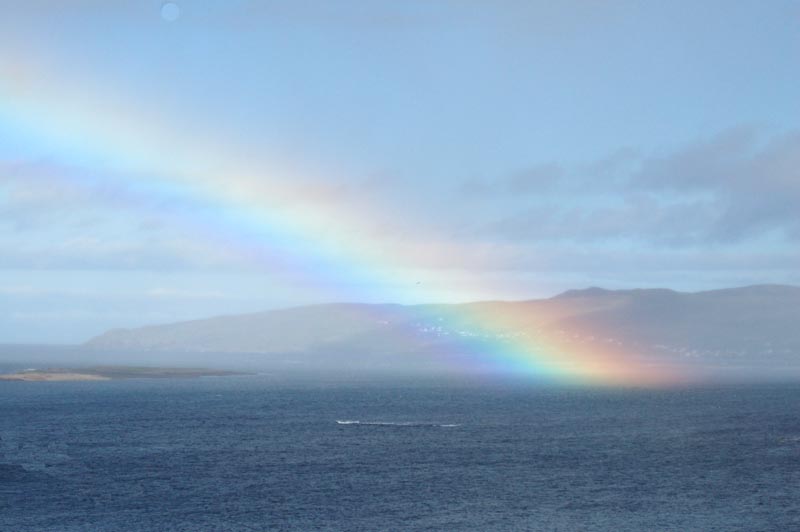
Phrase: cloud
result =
(18, 290)
(737, 187)
(41, 195)
(175, 293)
(754, 183)
(533, 180)
(643, 218)
(736, 192)
(54, 217)
(109, 253)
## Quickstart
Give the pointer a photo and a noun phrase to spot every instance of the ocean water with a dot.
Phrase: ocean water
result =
(251, 453)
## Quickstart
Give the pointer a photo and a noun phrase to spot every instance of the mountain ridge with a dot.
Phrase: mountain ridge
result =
(752, 325)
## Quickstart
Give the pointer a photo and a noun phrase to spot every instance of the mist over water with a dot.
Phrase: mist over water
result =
(336, 367)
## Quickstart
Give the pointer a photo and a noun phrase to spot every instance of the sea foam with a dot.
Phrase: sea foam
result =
(395, 423)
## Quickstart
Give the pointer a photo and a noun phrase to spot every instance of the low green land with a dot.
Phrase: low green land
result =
(103, 373)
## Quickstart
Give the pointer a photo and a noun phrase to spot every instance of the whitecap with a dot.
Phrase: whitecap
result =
(395, 423)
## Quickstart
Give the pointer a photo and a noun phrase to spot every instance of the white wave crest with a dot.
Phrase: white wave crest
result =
(395, 423)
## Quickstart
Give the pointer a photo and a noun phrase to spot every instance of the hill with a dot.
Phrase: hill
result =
(754, 326)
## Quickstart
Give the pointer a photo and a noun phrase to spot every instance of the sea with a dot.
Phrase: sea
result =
(254, 452)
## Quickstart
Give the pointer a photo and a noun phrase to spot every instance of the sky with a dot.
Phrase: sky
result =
(163, 162)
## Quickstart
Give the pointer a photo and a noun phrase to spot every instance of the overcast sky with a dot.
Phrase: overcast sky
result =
(253, 155)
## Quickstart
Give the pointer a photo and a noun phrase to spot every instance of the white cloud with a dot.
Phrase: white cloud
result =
(737, 187)
(175, 293)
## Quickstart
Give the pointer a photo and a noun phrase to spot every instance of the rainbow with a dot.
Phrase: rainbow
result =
(240, 200)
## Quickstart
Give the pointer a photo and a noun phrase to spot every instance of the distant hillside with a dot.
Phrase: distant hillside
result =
(755, 325)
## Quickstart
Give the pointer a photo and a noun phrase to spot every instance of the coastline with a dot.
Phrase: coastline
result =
(46, 376)
(106, 373)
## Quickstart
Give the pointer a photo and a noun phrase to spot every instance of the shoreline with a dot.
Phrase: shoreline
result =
(107, 373)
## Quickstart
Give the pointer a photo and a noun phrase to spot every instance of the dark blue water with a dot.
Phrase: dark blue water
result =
(245, 453)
